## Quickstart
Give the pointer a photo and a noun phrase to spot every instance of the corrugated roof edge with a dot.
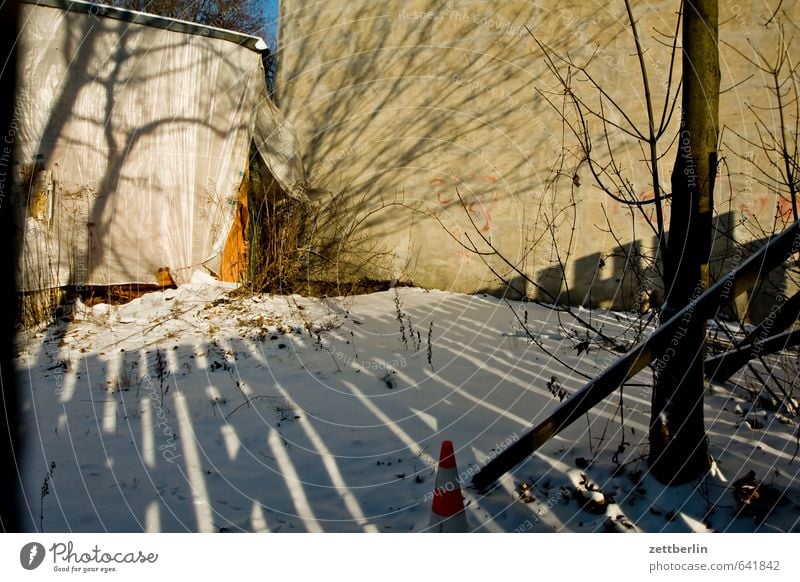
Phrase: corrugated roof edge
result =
(254, 43)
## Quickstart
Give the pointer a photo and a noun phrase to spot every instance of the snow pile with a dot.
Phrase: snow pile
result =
(205, 409)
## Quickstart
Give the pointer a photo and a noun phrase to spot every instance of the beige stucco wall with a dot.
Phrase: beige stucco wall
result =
(412, 101)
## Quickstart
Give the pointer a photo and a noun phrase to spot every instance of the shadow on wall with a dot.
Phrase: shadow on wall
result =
(626, 279)
(416, 103)
(402, 106)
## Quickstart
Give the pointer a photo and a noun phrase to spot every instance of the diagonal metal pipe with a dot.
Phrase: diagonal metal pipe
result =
(768, 257)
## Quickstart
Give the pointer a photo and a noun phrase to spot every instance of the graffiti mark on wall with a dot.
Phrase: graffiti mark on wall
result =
(759, 206)
(785, 209)
(478, 193)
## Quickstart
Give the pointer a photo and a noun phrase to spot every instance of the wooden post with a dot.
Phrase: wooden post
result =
(723, 366)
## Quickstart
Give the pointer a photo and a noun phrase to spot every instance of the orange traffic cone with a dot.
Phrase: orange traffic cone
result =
(447, 513)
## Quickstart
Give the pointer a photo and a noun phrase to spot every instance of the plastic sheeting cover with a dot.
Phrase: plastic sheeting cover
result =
(275, 140)
(145, 133)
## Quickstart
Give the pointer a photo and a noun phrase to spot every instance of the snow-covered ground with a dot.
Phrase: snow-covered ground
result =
(197, 410)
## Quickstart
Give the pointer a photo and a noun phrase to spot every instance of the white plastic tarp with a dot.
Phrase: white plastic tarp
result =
(276, 142)
(143, 134)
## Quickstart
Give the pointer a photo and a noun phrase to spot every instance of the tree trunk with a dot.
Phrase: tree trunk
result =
(678, 443)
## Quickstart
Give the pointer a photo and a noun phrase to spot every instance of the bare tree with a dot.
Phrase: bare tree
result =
(678, 447)
(245, 16)
(771, 159)
(678, 443)
(777, 143)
